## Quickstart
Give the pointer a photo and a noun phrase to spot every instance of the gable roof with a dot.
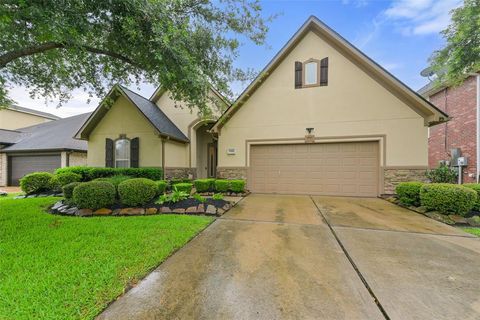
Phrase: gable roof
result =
(9, 136)
(430, 112)
(159, 120)
(34, 112)
(160, 91)
(53, 135)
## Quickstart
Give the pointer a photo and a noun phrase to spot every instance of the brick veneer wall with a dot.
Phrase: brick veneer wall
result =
(3, 170)
(460, 132)
(393, 176)
(232, 173)
(180, 173)
(77, 159)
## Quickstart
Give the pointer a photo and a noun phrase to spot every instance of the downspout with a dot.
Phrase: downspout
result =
(478, 128)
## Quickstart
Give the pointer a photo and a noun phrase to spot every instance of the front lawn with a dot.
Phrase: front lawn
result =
(57, 267)
(475, 231)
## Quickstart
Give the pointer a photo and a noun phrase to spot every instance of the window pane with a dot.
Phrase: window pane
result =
(122, 164)
(122, 153)
(311, 70)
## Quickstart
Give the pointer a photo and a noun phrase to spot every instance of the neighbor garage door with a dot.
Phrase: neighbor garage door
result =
(344, 169)
(22, 165)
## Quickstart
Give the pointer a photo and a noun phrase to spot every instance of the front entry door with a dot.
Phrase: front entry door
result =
(212, 160)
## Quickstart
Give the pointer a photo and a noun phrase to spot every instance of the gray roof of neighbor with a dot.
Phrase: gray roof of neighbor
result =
(53, 135)
(156, 116)
(9, 136)
(35, 112)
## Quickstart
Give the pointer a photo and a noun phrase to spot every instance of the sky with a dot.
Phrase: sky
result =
(400, 35)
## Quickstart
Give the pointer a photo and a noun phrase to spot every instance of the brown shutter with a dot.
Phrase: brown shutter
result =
(109, 153)
(134, 152)
(324, 72)
(298, 74)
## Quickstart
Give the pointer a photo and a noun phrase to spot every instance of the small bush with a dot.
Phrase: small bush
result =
(115, 180)
(94, 195)
(442, 174)
(409, 193)
(448, 198)
(217, 196)
(199, 198)
(476, 188)
(81, 170)
(68, 189)
(222, 185)
(183, 186)
(36, 182)
(137, 191)
(62, 179)
(161, 186)
(178, 195)
(204, 185)
(237, 186)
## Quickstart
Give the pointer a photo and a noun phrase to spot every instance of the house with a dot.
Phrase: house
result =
(462, 103)
(41, 147)
(321, 118)
(14, 117)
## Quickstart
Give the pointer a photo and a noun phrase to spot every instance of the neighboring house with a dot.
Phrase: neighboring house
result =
(462, 103)
(321, 118)
(42, 147)
(14, 117)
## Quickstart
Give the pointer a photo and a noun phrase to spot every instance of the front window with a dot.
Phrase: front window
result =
(122, 153)
(311, 73)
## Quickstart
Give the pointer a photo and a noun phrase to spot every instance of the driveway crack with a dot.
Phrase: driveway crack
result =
(350, 259)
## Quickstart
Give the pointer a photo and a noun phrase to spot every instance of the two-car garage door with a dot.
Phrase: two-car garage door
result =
(25, 164)
(344, 169)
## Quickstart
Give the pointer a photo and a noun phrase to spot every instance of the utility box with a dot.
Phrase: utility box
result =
(455, 153)
(462, 161)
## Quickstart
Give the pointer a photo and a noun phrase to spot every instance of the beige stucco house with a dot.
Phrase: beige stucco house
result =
(14, 117)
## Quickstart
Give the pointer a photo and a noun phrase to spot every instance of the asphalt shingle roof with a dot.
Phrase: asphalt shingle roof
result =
(9, 136)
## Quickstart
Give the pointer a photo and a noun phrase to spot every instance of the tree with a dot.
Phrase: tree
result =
(461, 54)
(54, 46)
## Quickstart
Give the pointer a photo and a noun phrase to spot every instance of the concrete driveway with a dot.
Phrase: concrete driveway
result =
(276, 257)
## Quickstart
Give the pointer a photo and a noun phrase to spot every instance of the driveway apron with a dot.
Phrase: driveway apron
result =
(270, 257)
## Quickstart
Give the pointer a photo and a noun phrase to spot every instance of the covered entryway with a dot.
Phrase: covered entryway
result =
(343, 168)
(25, 164)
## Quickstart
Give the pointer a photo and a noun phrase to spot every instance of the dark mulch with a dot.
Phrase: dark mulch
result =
(183, 204)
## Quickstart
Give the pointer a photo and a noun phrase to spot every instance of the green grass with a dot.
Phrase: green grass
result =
(474, 231)
(56, 267)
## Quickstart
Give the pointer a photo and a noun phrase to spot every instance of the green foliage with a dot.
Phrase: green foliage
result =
(476, 187)
(36, 182)
(178, 195)
(137, 192)
(59, 267)
(442, 174)
(94, 195)
(68, 189)
(199, 198)
(222, 185)
(54, 47)
(217, 196)
(180, 180)
(61, 179)
(115, 180)
(92, 173)
(237, 186)
(409, 192)
(161, 186)
(448, 198)
(162, 199)
(204, 185)
(461, 55)
(183, 186)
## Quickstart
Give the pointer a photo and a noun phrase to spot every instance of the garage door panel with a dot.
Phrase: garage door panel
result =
(349, 168)
(20, 166)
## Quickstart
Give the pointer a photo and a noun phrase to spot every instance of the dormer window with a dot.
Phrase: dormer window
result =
(311, 73)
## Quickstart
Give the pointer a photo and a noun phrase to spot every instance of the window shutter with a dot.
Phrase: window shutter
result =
(109, 153)
(324, 72)
(134, 152)
(298, 74)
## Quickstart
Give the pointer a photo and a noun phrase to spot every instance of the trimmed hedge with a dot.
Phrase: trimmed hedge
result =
(161, 186)
(36, 182)
(222, 185)
(448, 198)
(62, 179)
(237, 185)
(92, 173)
(137, 191)
(115, 180)
(183, 186)
(204, 185)
(68, 189)
(409, 192)
(476, 187)
(94, 195)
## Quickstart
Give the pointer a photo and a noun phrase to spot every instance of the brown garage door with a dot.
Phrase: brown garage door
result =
(22, 165)
(346, 169)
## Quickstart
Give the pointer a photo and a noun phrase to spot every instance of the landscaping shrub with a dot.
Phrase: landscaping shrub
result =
(448, 198)
(476, 188)
(161, 186)
(61, 179)
(204, 185)
(183, 186)
(68, 189)
(36, 182)
(92, 173)
(222, 185)
(94, 195)
(442, 174)
(217, 196)
(199, 198)
(137, 191)
(237, 186)
(115, 180)
(409, 192)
